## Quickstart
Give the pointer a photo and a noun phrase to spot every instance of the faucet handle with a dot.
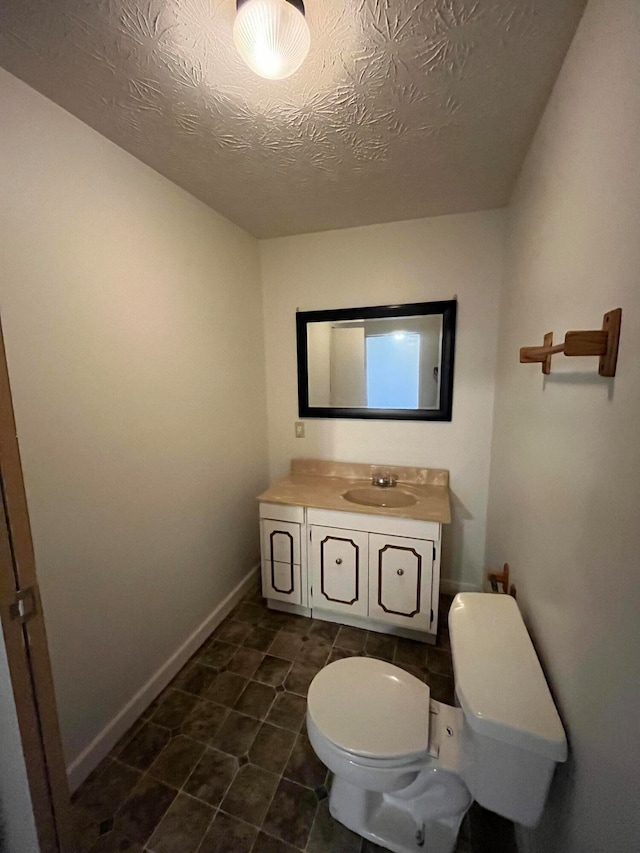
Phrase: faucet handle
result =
(384, 479)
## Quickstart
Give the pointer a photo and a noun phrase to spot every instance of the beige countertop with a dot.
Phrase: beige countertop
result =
(321, 484)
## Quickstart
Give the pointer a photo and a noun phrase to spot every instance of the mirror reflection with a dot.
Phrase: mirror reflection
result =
(381, 363)
(391, 361)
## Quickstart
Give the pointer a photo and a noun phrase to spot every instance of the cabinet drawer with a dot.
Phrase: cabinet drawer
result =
(339, 570)
(281, 541)
(281, 581)
(400, 577)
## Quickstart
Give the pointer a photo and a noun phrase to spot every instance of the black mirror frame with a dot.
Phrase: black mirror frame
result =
(448, 309)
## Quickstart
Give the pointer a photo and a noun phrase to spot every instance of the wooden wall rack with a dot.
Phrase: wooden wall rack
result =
(602, 342)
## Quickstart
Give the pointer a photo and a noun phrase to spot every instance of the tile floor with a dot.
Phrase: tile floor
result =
(220, 762)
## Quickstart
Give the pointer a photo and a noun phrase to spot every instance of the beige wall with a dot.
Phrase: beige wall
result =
(132, 318)
(565, 484)
(413, 261)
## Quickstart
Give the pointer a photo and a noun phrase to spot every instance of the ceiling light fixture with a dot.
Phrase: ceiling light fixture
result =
(271, 36)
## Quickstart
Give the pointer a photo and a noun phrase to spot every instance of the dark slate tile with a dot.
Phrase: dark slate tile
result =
(417, 672)
(236, 734)
(176, 761)
(286, 645)
(251, 613)
(226, 688)
(146, 746)
(439, 662)
(211, 777)
(329, 836)
(115, 842)
(441, 688)
(84, 829)
(268, 844)
(250, 793)
(145, 808)
(314, 652)
(245, 662)
(352, 639)
(325, 631)
(304, 766)
(204, 721)
(254, 595)
(183, 827)
(195, 678)
(126, 739)
(287, 711)
(103, 796)
(300, 677)
(340, 654)
(272, 670)
(291, 814)
(410, 652)
(255, 700)
(217, 654)
(174, 708)
(90, 779)
(274, 620)
(300, 625)
(232, 632)
(259, 639)
(370, 847)
(380, 646)
(271, 748)
(228, 835)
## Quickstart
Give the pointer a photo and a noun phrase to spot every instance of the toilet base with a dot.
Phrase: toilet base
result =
(393, 823)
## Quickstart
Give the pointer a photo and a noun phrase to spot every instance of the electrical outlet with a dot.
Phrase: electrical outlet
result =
(299, 429)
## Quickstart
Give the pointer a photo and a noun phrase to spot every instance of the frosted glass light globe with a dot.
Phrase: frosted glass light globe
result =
(272, 37)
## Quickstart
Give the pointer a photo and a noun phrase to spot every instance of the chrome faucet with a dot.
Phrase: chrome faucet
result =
(384, 480)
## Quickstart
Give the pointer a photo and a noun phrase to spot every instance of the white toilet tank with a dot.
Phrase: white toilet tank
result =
(513, 737)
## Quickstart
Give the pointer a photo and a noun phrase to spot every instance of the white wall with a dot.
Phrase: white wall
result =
(413, 261)
(17, 822)
(132, 319)
(565, 484)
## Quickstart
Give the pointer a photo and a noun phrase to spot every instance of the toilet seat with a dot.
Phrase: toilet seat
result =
(371, 709)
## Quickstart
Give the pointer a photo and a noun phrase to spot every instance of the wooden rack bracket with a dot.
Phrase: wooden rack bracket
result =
(501, 578)
(601, 342)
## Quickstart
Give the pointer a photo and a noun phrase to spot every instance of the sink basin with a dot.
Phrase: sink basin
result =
(376, 496)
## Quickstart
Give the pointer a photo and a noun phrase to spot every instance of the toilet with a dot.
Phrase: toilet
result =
(406, 768)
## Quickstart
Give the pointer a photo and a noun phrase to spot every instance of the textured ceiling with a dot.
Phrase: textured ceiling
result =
(402, 109)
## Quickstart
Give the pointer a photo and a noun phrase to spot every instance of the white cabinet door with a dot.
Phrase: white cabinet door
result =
(339, 569)
(281, 574)
(400, 577)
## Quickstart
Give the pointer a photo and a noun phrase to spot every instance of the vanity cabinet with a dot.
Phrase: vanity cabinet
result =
(339, 569)
(282, 548)
(400, 581)
(365, 570)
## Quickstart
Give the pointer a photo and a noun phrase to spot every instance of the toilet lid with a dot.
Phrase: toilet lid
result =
(370, 708)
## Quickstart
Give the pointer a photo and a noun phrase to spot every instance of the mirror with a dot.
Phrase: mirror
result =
(387, 362)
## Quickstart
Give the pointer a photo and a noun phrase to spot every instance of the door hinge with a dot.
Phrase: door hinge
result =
(24, 605)
(432, 614)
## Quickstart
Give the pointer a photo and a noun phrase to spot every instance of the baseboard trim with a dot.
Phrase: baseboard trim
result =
(450, 587)
(104, 742)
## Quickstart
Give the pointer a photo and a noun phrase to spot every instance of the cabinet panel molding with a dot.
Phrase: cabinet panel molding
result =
(404, 594)
(400, 578)
(281, 581)
(339, 566)
(281, 541)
